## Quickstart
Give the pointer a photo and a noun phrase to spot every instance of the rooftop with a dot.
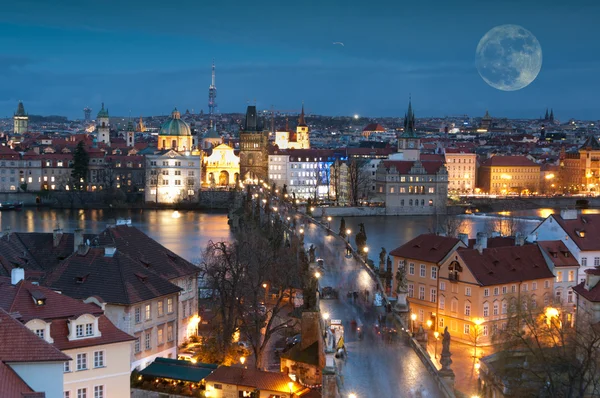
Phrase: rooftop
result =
(514, 161)
(427, 247)
(558, 253)
(253, 378)
(584, 230)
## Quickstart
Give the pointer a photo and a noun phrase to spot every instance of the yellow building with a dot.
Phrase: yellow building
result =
(509, 174)
(298, 140)
(222, 167)
(175, 134)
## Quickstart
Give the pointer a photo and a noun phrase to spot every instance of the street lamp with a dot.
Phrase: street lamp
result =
(317, 274)
(242, 360)
(348, 232)
(329, 222)
(413, 318)
(265, 285)
(290, 386)
(366, 251)
(478, 322)
(429, 323)
(352, 395)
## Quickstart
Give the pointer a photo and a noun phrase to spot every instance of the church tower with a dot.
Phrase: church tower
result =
(408, 142)
(254, 155)
(103, 126)
(302, 134)
(20, 120)
(130, 134)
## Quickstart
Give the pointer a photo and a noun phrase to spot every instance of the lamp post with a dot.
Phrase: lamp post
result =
(329, 222)
(436, 334)
(348, 232)
(243, 360)
(413, 318)
(265, 286)
(478, 322)
(366, 252)
(291, 386)
(429, 323)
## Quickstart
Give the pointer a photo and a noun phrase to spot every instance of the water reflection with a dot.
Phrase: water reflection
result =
(187, 235)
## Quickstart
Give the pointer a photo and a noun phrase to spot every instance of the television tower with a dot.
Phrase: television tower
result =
(212, 94)
(87, 114)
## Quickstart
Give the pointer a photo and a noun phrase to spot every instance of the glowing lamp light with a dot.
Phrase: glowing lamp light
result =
(478, 321)
(317, 274)
(291, 386)
(264, 285)
(176, 214)
(365, 249)
(352, 395)
(549, 176)
(429, 323)
(356, 116)
(413, 317)
(242, 360)
(436, 334)
(348, 231)
(301, 230)
(326, 316)
(329, 218)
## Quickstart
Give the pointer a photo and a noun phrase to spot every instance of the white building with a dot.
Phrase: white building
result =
(19, 171)
(172, 176)
(461, 165)
(103, 126)
(294, 140)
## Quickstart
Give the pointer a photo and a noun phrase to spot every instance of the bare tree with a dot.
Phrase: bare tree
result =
(560, 360)
(450, 225)
(335, 175)
(358, 181)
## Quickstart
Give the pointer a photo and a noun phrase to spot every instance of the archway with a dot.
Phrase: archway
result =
(210, 178)
(224, 178)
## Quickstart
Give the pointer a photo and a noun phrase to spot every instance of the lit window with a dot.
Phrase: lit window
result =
(160, 335)
(169, 306)
(467, 329)
(160, 308)
(169, 332)
(148, 309)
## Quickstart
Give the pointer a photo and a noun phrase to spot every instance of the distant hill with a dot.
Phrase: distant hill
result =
(48, 119)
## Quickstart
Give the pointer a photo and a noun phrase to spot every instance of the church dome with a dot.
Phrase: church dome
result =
(175, 126)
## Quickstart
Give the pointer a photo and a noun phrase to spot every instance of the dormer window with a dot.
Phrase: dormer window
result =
(84, 330)
(38, 298)
(580, 233)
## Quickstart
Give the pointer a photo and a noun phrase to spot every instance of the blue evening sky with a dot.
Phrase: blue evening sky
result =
(146, 57)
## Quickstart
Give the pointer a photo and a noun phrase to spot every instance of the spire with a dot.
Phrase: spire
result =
(251, 123)
(546, 117)
(301, 121)
(409, 118)
(20, 109)
(213, 73)
(552, 115)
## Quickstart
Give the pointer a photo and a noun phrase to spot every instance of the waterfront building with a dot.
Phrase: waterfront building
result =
(588, 299)
(300, 139)
(412, 187)
(305, 172)
(461, 165)
(29, 366)
(19, 172)
(254, 148)
(56, 171)
(103, 126)
(509, 175)
(173, 172)
(20, 120)
(580, 171)
(222, 167)
(99, 352)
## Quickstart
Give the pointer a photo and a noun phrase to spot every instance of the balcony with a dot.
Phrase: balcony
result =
(453, 277)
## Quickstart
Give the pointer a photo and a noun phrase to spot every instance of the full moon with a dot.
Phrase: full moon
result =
(508, 57)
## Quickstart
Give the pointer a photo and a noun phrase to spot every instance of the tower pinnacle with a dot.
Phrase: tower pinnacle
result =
(301, 121)
(212, 94)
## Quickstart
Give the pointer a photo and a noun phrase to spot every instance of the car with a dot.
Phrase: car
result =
(328, 292)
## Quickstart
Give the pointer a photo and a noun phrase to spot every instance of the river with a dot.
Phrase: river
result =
(188, 232)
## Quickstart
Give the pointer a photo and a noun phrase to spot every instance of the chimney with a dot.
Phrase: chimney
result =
(464, 238)
(110, 251)
(17, 275)
(481, 241)
(567, 214)
(78, 239)
(83, 249)
(592, 277)
(7, 233)
(56, 236)
(519, 239)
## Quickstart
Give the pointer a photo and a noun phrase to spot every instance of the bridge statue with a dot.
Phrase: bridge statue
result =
(382, 255)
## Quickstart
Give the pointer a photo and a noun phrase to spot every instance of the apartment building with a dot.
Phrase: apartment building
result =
(99, 352)
(19, 172)
(461, 164)
(504, 175)
(172, 176)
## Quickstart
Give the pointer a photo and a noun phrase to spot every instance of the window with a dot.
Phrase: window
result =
(170, 333)
(583, 261)
(67, 394)
(79, 330)
(485, 330)
(571, 276)
(442, 285)
(496, 309)
(454, 305)
(534, 286)
(546, 284)
(138, 315)
(496, 291)
(89, 329)
(169, 306)
(184, 304)
(160, 335)
(81, 361)
(421, 315)
(570, 296)
(411, 290)
(525, 287)
(442, 302)
(504, 289)
(467, 329)
(136, 347)
(148, 311)
(486, 292)
(423, 270)
(98, 359)
(486, 310)
(218, 386)
(513, 288)
(98, 391)
(421, 292)
(67, 367)
(467, 291)
(468, 309)
(411, 268)
(559, 276)
(160, 308)
(148, 336)
(596, 261)
(39, 332)
(433, 295)
(82, 393)
(434, 272)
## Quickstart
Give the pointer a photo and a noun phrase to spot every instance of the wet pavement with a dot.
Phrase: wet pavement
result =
(374, 368)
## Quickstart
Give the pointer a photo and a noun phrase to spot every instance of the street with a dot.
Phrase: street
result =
(374, 368)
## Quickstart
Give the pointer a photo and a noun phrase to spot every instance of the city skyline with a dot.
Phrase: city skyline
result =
(148, 58)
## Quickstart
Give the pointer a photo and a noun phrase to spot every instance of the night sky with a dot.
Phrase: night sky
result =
(146, 57)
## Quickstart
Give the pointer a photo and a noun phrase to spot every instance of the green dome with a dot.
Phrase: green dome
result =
(175, 126)
(103, 112)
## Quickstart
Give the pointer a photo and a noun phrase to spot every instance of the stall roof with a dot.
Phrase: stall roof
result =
(178, 370)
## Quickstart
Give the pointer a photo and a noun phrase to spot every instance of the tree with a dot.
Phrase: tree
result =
(561, 360)
(335, 176)
(342, 232)
(358, 181)
(450, 225)
(81, 162)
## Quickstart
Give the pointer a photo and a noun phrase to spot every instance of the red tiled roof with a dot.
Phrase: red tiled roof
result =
(458, 150)
(499, 241)
(20, 344)
(427, 247)
(110, 334)
(12, 385)
(404, 166)
(426, 157)
(515, 161)
(589, 223)
(270, 381)
(374, 127)
(592, 295)
(501, 265)
(115, 279)
(558, 253)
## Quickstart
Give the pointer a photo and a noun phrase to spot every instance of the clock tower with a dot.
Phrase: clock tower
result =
(409, 145)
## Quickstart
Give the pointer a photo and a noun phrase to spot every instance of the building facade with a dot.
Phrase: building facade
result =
(19, 172)
(103, 126)
(502, 175)
(412, 187)
(222, 167)
(254, 145)
(172, 176)
(294, 140)
(462, 167)
(20, 120)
